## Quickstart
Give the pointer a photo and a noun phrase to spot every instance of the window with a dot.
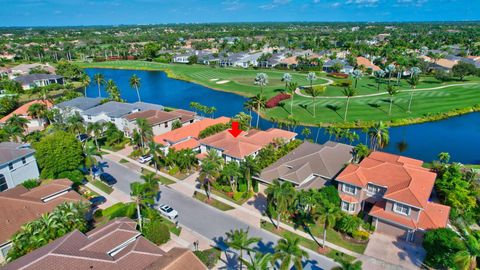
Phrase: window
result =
(373, 189)
(112, 119)
(349, 207)
(349, 189)
(401, 209)
(10, 166)
(166, 124)
(3, 183)
(89, 117)
(24, 161)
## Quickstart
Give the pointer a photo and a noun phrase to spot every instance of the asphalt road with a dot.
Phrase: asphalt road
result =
(204, 219)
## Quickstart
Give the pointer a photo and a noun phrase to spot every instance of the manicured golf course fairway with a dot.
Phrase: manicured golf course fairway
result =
(432, 99)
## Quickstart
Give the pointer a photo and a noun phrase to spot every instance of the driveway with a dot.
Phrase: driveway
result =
(121, 172)
(392, 251)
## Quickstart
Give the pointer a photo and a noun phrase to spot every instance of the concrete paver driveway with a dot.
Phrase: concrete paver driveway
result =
(393, 251)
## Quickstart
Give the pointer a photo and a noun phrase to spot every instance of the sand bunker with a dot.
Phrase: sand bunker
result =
(213, 80)
(222, 82)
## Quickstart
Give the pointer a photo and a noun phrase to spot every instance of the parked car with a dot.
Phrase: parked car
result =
(98, 200)
(108, 179)
(168, 211)
(145, 158)
(82, 137)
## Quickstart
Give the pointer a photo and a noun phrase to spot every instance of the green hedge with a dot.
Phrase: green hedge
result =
(157, 232)
(209, 257)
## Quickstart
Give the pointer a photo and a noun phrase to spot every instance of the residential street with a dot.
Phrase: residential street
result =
(199, 217)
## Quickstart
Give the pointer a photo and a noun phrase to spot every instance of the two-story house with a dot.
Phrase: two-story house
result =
(395, 191)
(160, 121)
(77, 105)
(17, 164)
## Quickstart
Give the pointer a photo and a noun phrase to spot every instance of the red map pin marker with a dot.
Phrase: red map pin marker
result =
(235, 131)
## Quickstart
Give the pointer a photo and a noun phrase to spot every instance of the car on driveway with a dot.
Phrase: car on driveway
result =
(145, 158)
(168, 211)
(98, 200)
(108, 179)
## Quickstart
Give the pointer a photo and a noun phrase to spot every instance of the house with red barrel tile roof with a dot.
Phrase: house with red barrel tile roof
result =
(395, 191)
(115, 245)
(22, 111)
(20, 205)
(248, 143)
(371, 67)
(187, 136)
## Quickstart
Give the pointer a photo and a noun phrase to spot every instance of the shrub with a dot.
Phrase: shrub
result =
(255, 186)
(211, 130)
(173, 170)
(98, 213)
(136, 153)
(242, 187)
(31, 183)
(360, 235)
(348, 224)
(274, 101)
(157, 232)
(338, 75)
(75, 176)
(237, 196)
(343, 83)
(209, 257)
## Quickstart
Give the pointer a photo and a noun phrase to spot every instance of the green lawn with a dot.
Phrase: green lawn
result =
(309, 243)
(215, 203)
(427, 105)
(165, 180)
(102, 186)
(335, 237)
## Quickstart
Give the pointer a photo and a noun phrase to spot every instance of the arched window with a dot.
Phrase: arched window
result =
(3, 183)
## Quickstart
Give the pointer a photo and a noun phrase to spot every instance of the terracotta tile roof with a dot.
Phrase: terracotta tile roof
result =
(20, 205)
(378, 210)
(292, 60)
(153, 117)
(23, 110)
(348, 198)
(116, 245)
(187, 144)
(185, 116)
(246, 143)
(406, 181)
(190, 131)
(362, 61)
(434, 216)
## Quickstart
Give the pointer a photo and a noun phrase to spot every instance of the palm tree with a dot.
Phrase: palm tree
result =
(349, 266)
(348, 92)
(314, 92)
(391, 92)
(413, 81)
(231, 173)
(379, 75)
(311, 77)
(135, 83)
(100, 80)
(250, 106)
(250, 166)
(259, 102)
(306, 132)
(292, 87)
(287, 78)
(113, 91)
(262, 80)
(75, 123)
(444, 157)
(145, 130)
(18, 121)
(328, 213)
(157, 153)
(143, 194)
(85, 80)
(95, 130)
(279, 196)
(90, 153)
(288, 252)
(260, 261)
(239, 240)
(37, 110)
(357, 74)
(13, 132)
(390, 69)
(379, 136)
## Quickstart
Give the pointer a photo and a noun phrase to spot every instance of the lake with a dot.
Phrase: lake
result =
(460, 136)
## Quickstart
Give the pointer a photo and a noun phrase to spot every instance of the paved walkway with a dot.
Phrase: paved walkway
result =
(253, 216)
(298, 91)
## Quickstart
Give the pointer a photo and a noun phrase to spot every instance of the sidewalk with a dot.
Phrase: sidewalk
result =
(112, 198)
(184, 186)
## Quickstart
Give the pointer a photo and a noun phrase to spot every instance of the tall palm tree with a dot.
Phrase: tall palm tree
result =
(250, 106)
(287, 78)
(143, 194)
(413, 81)
(145, 130)
(292, 87)
(13, 133)
(379, 136)
(262, 80)
(311, 77)
(259, 102)
(75, 123)
(328, 213)
(391, 92)
(250, 167)
(231, 173)
(90, 153)
(357, 74)
(348, 92)
(314, 92)
(239, 240)
(18, 121)
(113, 91)
(288, 252)
(135, 83)
(85, 80)
(95, 130)
(156, 151)
(390, 69)
(379, 75)
(100, 80)
(260, 261)
(210, 170)
(280, 195)
(37, 110)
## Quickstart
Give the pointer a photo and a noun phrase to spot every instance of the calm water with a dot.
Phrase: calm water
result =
(460, 136)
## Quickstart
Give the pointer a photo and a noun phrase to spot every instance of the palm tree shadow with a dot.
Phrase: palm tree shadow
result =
(305, 107)
(282, 105)
(311, 264)
(265, 247)
(103, 164)
(334, 108)
(377, 106)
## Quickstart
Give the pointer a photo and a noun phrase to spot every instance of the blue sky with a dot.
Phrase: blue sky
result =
(100, 12)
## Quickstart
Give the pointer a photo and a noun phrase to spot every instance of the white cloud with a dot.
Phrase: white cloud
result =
(417, 3)
(232, 5)
(363, 3)
(274, 4)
